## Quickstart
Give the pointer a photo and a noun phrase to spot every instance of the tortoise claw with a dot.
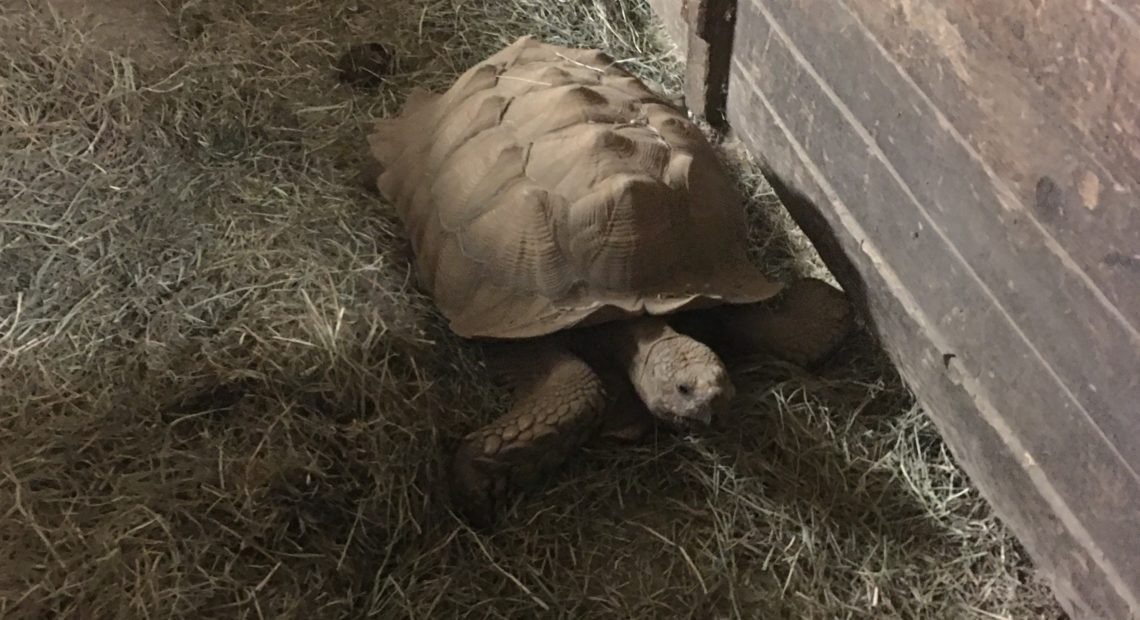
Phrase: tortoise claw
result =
(479, 488)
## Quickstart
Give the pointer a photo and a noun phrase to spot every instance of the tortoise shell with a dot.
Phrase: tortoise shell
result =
(549, 188)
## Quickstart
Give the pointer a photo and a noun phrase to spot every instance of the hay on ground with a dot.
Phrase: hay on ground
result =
(224, 397)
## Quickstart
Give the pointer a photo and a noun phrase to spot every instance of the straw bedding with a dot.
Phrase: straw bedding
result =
(223, 396)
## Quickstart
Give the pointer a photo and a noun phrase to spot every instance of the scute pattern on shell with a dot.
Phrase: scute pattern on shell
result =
(549, 187)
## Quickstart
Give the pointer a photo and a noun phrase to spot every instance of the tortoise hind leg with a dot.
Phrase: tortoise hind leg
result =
(556, 409)
(804, 325)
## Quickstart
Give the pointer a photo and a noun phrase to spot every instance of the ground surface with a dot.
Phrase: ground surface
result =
(223, 397)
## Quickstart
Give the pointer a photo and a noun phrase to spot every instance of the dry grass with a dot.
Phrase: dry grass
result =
(222, 397)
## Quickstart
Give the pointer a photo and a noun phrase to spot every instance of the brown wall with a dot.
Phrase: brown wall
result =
(970, 171)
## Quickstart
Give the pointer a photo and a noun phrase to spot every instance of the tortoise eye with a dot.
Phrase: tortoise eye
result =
(684, 389)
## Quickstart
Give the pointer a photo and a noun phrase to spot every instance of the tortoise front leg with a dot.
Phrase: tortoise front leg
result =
(804, 325)
(556, 410)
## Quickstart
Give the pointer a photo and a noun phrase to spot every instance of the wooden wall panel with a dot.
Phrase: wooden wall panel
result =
(963, 193)
(1048, 99)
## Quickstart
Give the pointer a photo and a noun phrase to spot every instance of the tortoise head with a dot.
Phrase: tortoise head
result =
(681, 380)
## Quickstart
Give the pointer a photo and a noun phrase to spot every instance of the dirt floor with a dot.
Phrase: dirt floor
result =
(223, 396)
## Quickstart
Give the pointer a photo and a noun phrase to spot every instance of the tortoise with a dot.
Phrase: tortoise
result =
(583, 228)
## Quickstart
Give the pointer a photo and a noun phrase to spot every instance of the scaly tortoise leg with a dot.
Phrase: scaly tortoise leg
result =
(556, 409)
(804, 324)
